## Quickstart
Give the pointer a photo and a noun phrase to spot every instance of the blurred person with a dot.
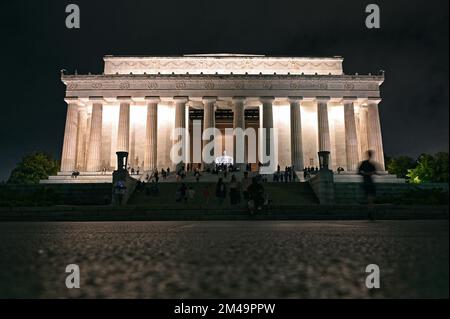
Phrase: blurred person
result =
(367, 169)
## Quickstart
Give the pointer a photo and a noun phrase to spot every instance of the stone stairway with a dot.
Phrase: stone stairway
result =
(281, 194)
(210, 178)
(83, 178)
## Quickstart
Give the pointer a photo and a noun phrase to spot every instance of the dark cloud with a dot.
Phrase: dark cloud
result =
(412, 46)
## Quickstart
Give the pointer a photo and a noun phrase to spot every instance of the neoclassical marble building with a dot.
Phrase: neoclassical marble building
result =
(134, 105)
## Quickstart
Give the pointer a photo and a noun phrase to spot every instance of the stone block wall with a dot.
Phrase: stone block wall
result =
(353, 193)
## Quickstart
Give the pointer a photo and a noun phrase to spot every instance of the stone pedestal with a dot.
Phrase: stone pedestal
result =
(323, 186)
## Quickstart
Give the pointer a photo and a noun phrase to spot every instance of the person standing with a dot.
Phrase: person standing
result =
(206, 194)
(235, 195)
(191, 194)
(256, 196)
(367, 169)
(221, 191)
(246, 181)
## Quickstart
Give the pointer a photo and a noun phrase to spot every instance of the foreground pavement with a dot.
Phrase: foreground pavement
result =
(224, 259)
(194, 212)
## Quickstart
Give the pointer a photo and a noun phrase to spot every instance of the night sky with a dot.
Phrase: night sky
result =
(411, 46)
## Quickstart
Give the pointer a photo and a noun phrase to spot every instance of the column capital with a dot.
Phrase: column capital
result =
(97, 99)
(295, 99)
(322, 99)
(373, 100)
(74, 100)
(180, 99)
(349, 99)
(239, 99)
(152, 99)
(124, 99)
(267, 99)
(209, 99)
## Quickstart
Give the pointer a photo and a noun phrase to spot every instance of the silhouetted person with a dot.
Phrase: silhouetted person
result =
(235, 195)
(220, 190)
(246, 181)
(256, 195)
(119, 191)
(183, 192)
(367, 169)
(206, 194)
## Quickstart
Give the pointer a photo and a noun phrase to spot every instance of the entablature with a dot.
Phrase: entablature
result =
(222, 85)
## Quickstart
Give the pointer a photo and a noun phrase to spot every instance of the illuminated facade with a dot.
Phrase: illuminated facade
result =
(137, 102)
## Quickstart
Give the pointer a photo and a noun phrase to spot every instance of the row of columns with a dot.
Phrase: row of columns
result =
(82, 138)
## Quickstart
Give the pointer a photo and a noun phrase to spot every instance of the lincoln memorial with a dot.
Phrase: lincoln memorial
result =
(135, 104)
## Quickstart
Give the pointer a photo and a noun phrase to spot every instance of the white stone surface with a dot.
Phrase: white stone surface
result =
(222, 64)
(113, 113)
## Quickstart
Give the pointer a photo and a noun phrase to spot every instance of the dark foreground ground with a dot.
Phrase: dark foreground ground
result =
(225, 259)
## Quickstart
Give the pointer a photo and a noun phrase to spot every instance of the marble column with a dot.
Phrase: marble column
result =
(374, 131)
(296, 133)
(239, 122)
(209, 121)
(151, 130)
(180, 121)
(88, 136)
(351, 138)
(364, 144)
(95, 139)
(81, 138)
(323, 126)
(123, 131)
(267, 122)
(69, 152)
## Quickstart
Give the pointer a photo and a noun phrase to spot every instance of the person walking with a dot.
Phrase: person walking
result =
(367, 169)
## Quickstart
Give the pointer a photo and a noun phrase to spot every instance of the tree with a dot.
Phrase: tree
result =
(32, 168)
(400, 165)
(441, 167)
(430, 169)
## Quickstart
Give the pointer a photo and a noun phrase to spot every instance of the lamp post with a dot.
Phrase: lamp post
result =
(122, 160)
(324, 158)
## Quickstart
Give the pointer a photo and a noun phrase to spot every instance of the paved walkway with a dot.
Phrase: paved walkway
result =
(225, 259)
